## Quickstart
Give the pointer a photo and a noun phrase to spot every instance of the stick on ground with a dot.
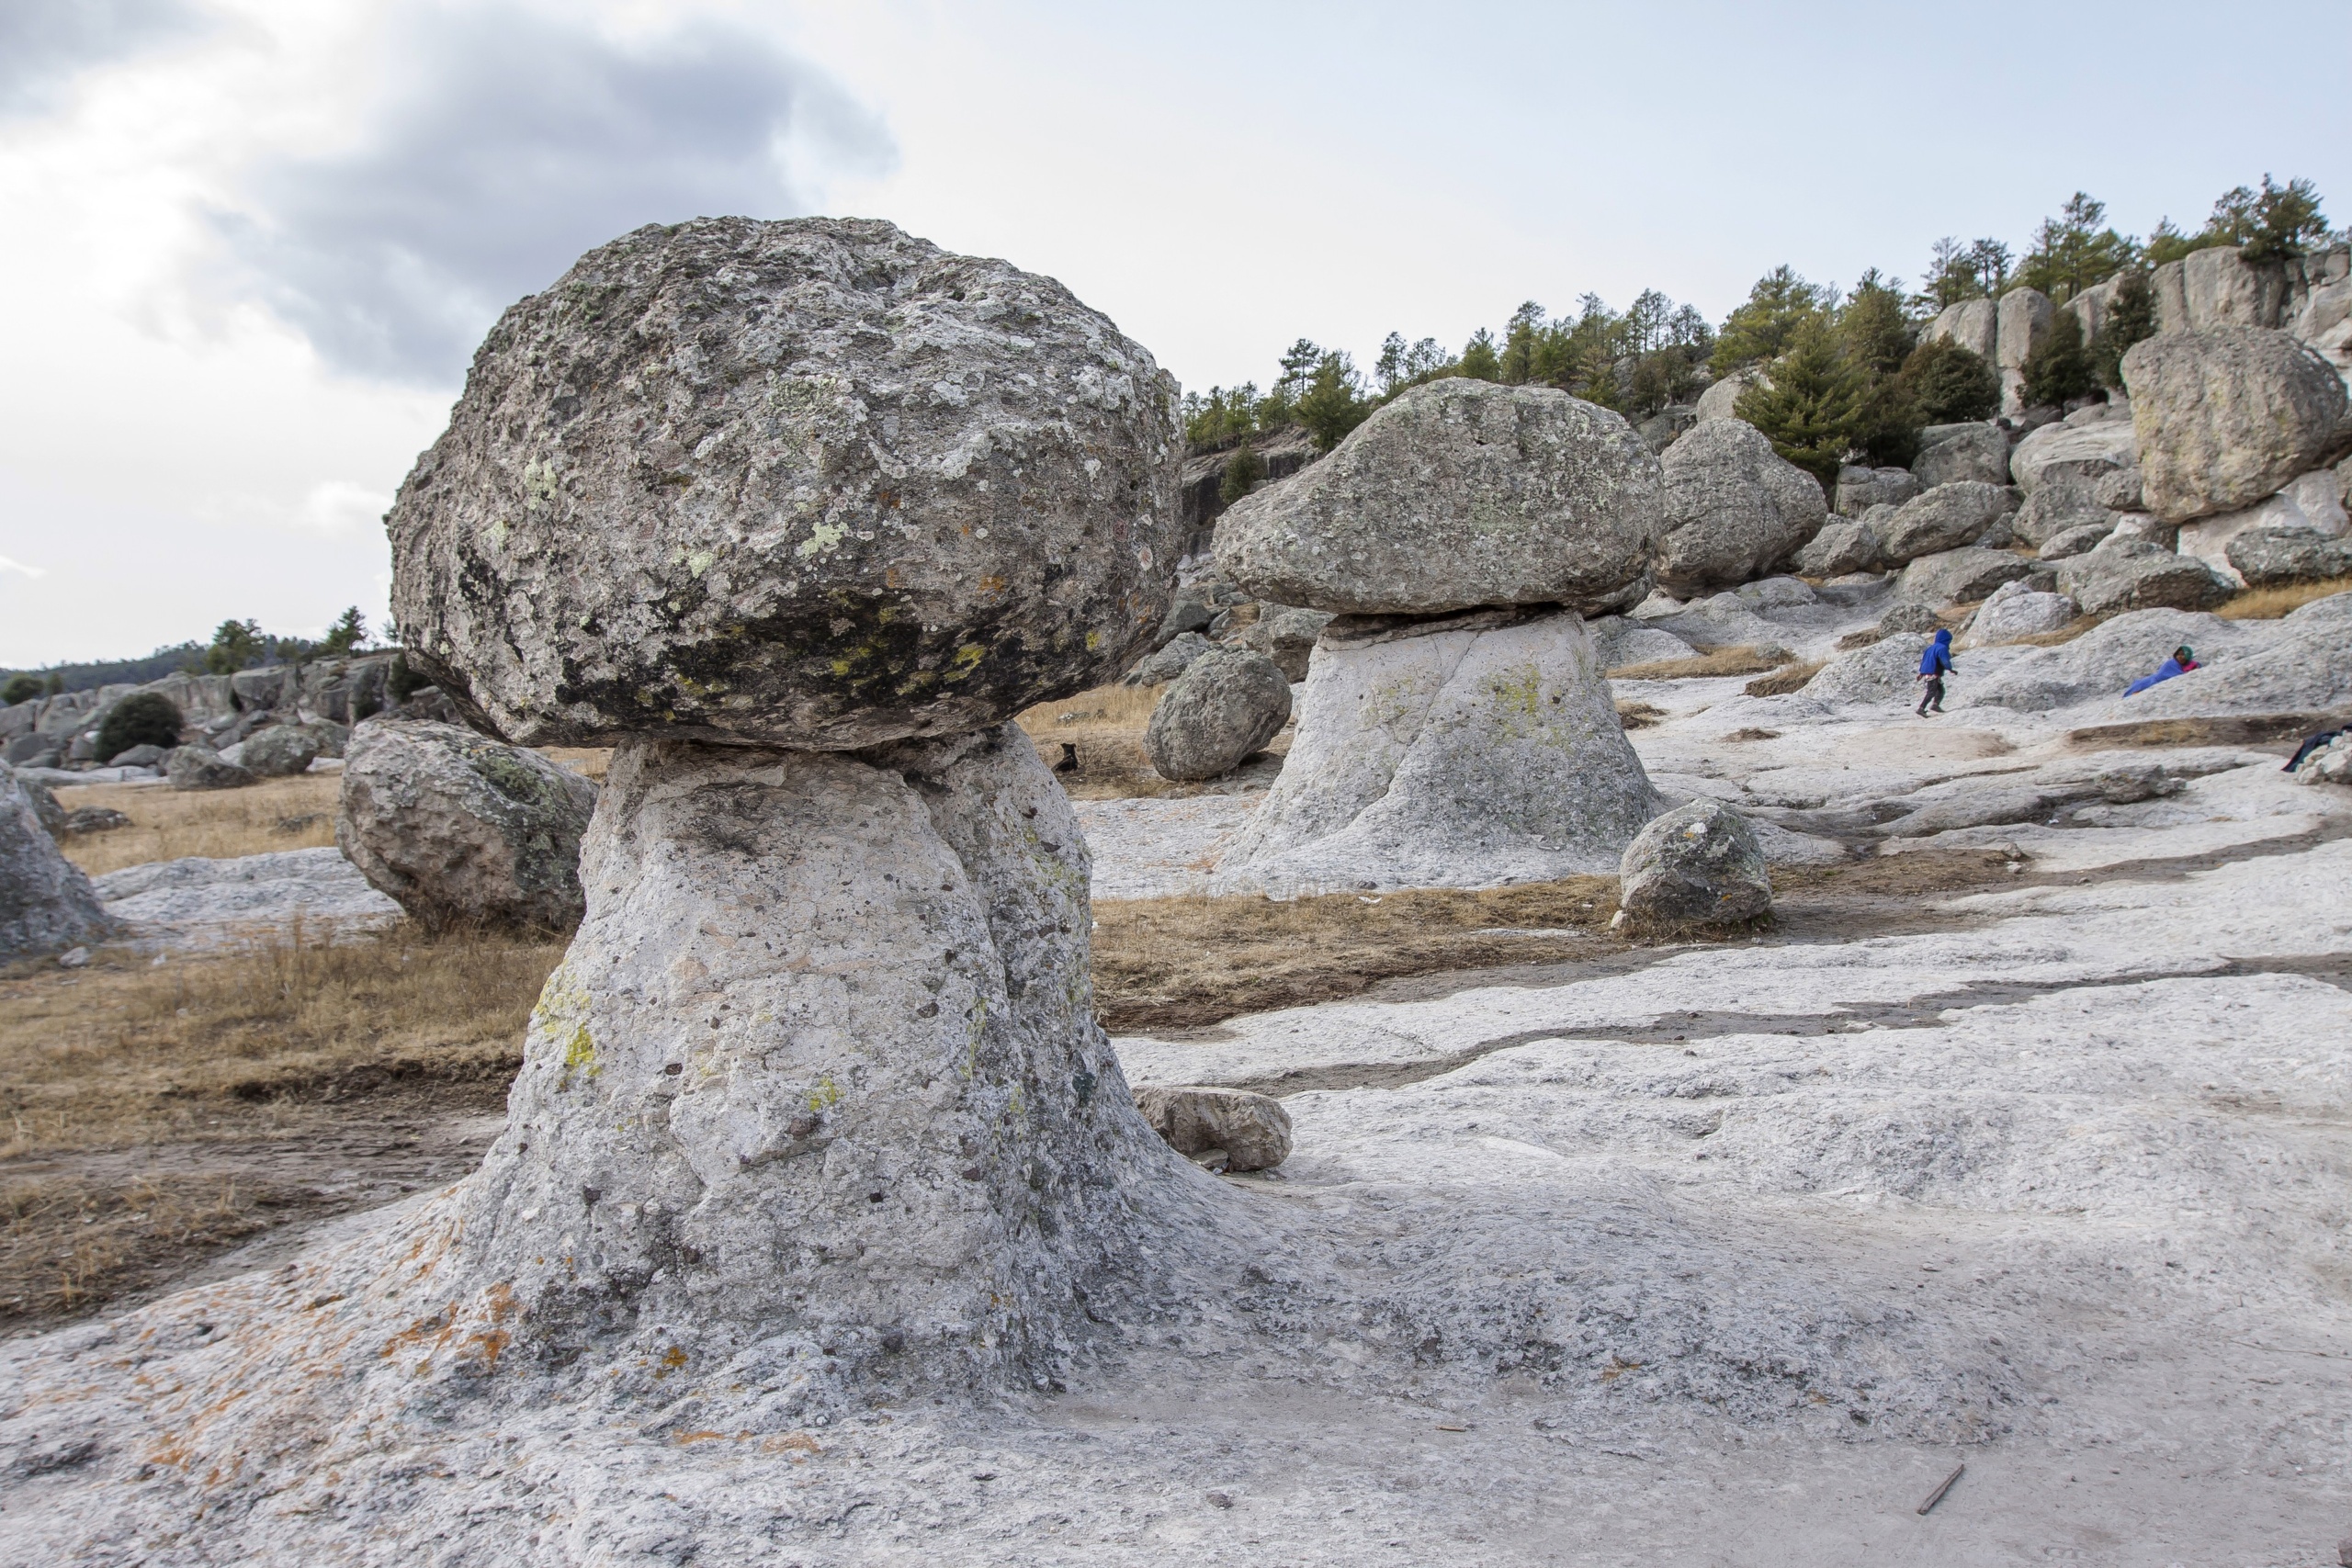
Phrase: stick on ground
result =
(1937, 1495)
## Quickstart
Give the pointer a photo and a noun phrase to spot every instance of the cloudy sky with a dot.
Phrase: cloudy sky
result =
(250, 243)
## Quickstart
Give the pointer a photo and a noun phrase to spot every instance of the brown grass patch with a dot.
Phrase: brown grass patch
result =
(2066, 633)
(67, 1246)
(1181, 963)
(591, 762)
(1104, 709)
(1752, 733)
(2241, 729)
(1744, 659)
(1640, 716)
(282, 1049)
(2270, 604)
(127, 1052)
(1788, 678)
(166, 823)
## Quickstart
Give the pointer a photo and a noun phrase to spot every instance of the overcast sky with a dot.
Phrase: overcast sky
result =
(251, 243)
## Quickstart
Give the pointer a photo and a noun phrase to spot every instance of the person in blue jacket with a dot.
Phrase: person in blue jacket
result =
(2183, 659)
(1934, 665)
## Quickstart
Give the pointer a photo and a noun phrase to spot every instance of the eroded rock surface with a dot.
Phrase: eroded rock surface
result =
(1698, 864)
(1732, 507)
(2225, 417)
(1225, 705)
(813, 482)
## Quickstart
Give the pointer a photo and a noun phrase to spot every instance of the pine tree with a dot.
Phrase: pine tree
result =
(1242, 472)
(2061, 367)
(2131, 316)
(1333, 403)
(1479, 360)
(1948, 383)
(1780, 307)
(2071, 251)
(1812, 408)
(349, 631)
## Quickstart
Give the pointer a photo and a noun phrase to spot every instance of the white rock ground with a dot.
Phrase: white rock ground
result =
(1721, 1255)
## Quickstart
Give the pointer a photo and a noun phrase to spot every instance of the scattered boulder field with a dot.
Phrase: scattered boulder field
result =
(827, 1222)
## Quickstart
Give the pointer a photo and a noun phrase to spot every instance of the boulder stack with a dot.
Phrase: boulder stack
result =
(797, 513)
(1458, 730)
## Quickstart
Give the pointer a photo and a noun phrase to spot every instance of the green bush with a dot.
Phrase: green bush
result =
(2061, 367)
(20, 689)
(1948, 383)
(1811, 410)
(142, 719)
(1333, 402)
(1242, 472)
(2131, 317)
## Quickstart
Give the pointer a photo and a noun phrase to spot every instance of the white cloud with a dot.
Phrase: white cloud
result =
(501, 143)
(7, 565)
(339, 506)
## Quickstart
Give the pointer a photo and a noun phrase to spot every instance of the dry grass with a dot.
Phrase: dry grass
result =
(1105, 709)
(1741, 661)
(166, 823)
(1181, 963)
(2066, 633)
(67, 1246)
(591, 761)
(1640, 716)
(1788, 678)
(126, 1051)
(2270, 604)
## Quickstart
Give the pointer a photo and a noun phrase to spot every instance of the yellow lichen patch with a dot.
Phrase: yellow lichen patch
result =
(968, 658)
(538, 484)
(825, 1096)
(823, 537)
(579, 1056)
(992, 585)
(673, 1360)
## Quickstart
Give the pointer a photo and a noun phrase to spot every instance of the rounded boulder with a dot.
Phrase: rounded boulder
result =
(2225, 417)
(1458, 494)
(1226, 704)
(1700, 864)
(460, 830)
(1734, 507)
(813, 483)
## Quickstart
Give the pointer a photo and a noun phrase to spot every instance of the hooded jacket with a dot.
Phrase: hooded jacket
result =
(1936, 660)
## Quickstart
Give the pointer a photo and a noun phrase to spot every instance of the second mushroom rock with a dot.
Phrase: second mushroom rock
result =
(1457, 728)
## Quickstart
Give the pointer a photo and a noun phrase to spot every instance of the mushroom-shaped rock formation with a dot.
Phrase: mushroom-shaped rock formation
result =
(1460, 493)
(814, 483)
(814, 1110)
(1457, 729)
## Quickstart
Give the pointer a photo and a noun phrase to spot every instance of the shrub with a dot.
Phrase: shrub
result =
(20, 689)
(2131, 317)
(1812, 409)
(2060, 369)
(142, 719)
(1242, 472)
(1333, 403)
(1948, 382)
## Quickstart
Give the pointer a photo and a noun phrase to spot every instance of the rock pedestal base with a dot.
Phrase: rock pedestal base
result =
(1467, 751)
(820, 1074)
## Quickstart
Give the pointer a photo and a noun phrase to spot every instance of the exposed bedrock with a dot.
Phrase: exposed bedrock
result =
(812, 483)
(1463, 751)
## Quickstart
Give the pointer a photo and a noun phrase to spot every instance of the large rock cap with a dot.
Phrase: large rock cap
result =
(2225, 417)
(1459, 493)
(814, 483)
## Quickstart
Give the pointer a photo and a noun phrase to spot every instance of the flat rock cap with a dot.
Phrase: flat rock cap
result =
(1459, 493)
(811, 483)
